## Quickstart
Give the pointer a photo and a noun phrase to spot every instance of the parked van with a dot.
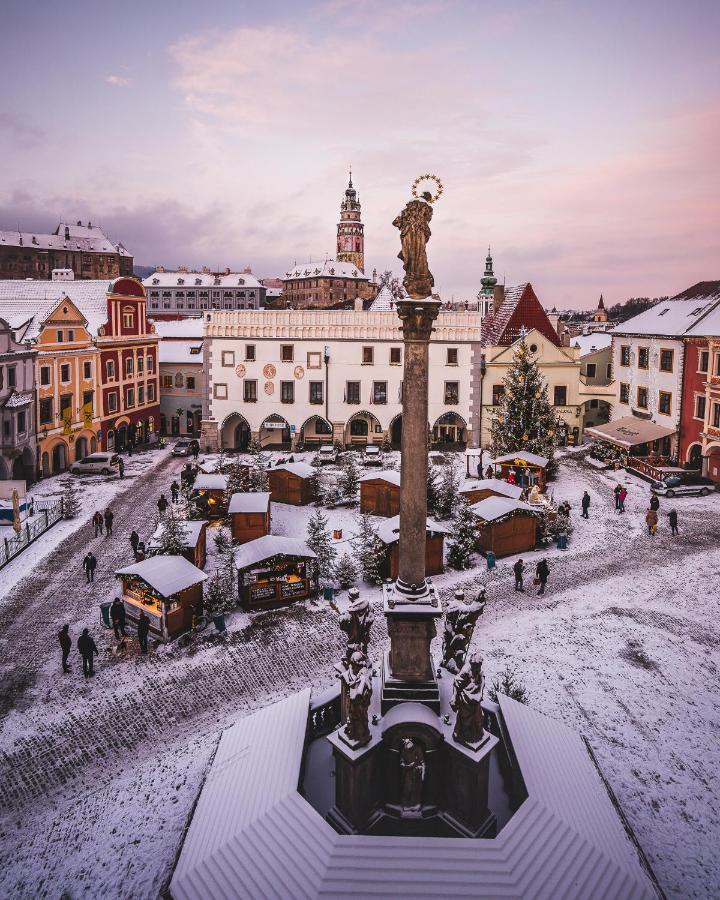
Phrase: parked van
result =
(96, 464)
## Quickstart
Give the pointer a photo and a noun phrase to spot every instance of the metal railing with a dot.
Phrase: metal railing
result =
(47, 514)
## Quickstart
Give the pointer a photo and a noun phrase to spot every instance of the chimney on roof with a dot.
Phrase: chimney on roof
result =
(205, 270)
(89, 224)
(498, 296)
(247, 271)
(67, 232)
(79, 222)
(226, 270)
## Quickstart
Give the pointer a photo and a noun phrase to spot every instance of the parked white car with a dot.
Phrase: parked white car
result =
(327, 453)
(96, 464)
(373, 455)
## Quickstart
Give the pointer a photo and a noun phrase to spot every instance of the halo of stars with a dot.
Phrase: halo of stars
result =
(420, 178)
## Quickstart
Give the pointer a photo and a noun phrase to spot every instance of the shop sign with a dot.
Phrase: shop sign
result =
(262, 591)
(274, 425)
(292, 589)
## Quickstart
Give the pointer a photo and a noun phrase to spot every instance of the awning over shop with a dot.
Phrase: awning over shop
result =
(629, 432)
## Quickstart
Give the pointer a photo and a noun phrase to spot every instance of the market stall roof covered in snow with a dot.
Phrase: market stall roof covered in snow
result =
(630, 431)
(191, 529)
(257, 502)
(388, 475)
(301, 469)
(493, 508)
(253, 835)
(531, 458)
(210, 482)
(389, 529)
(270, 545)
(168, 575)
(496, 485)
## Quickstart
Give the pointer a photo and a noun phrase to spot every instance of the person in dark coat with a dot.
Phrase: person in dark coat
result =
(162, 504)
(65, 646)
(87, 649)
(585, 505)
(616, 491)
(89, 566)
(134, 541)
(672, 516)
(130, 449)
(142, 631)
(542, 570)
(174, 491)
(651, 520)
(622, 494)
(108, 522)
(98, 523)
(121, 467)
(117, 617)
(518, 569)
(196, 451)
(655, 502)
(489, 472)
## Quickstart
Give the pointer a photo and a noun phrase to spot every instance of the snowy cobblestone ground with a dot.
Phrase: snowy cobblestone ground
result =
(97, 778)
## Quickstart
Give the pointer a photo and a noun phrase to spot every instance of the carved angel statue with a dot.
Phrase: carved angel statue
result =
(461, 617)
(356, 623)
(412, 775)
(467, 697)
(414, 225)
(359, 694)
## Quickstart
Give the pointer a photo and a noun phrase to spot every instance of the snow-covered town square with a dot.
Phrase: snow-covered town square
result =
(359, 451)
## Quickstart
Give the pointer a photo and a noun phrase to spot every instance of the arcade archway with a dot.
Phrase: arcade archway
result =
(363, 428)
(235, 433)
(450, 432)
(274, 433)
(316, 430)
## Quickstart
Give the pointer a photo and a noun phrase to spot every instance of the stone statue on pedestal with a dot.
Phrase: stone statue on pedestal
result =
(414, 225)
(356, 623)
(412, 775)
(467, 697)
(358, 681)
(461, 616)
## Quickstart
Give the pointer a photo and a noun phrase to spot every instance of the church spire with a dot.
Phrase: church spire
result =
(488, 281)
(350, 237)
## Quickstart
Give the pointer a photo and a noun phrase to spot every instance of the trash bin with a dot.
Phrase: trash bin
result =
(562, 540)
(337, 534)
(490, 559)
(328, 593)
(105, 614)
(219, 622)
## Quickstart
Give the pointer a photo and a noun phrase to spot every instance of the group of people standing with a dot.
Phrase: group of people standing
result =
(542, 573)
(103, 522)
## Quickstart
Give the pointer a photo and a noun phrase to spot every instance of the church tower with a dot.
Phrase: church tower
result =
(600, 314)
(350, 238)
(488, 282)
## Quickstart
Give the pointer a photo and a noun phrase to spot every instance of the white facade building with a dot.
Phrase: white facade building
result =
(184, 293)
(292, 377)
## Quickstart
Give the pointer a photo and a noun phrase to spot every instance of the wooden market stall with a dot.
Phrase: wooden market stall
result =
(525, 469)
(505, 526)
(474, 491)
(209, 494)
(292, 483)
(169, 589)
(389, 533)
(275, 571)
(249, 516)
(380, 493)
(194, 531)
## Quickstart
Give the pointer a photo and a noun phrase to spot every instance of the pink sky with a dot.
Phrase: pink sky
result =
(580, 140)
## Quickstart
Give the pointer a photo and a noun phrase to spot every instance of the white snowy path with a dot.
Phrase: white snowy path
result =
(97, 779)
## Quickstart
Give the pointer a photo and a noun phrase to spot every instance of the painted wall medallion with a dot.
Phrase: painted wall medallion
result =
(240, 371)
(299, 372)
(269, 371)
(269, 387)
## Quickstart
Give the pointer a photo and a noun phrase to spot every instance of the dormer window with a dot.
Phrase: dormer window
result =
(128, 317)
(663, 311)
(198, 281)
(156, 281)
(241, 281)
(181, 281)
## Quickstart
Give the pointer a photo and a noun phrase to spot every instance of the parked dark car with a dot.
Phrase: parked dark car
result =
(688, 483)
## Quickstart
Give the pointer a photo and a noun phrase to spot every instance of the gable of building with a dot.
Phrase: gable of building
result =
(519, 309)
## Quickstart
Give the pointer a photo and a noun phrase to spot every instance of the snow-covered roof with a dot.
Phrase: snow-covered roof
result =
(681, 315)
(181, 352)
(330, 268)
(189, 328)
(263, 548)
(18, 399)
(521, 299)
(384, 300)
(389, 529)
(23, 300)
(531, 458)
(82, 238)
(253, 835)
(191, 529)
(389, 475)
(168, 575)
(214, 481)
(301, 469)
(591, 343)
(497, 485)
(492, 508)
(189, 280)
(630, 431)
(249, 503)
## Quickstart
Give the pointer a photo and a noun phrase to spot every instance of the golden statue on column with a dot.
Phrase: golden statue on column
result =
(414, 225)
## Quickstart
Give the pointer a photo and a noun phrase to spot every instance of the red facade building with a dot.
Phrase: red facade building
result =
(128, 368)
(693, 410)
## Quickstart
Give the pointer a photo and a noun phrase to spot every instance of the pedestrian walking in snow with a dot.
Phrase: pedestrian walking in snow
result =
(142, 631)
(89, 566)
(121, 467)
(174, 491)
(518, 569)
(585, 505)
(65, 646)
(616, 491)
(489, 472)
(651, 520)
(117, 617)
(565, 509)
(196, 451)
(672, 517)
(130, 449)
(108, 522)
(98, 523)
(87, 649)
(134, 541)
(655, 502)
(162, 504)
(621, 499)
(542, 570)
